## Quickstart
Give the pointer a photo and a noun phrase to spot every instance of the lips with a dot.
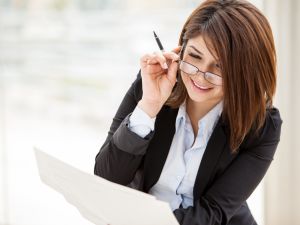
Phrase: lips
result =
(200, 87)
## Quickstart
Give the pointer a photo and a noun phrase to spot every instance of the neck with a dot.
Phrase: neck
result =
(197, 110)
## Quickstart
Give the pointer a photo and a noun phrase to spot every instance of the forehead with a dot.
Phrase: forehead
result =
(203, 45)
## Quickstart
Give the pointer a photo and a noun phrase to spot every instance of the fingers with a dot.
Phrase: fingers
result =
(171, 55)
(145, 58)
(162, 58)
(177, 49)
(154, 58)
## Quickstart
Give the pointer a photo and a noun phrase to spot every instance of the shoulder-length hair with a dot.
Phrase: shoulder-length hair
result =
(240, 35)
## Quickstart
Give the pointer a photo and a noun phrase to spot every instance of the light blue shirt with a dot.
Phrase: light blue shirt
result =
(176, 182)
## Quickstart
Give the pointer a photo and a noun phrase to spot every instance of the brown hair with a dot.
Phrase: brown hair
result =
(241, 37)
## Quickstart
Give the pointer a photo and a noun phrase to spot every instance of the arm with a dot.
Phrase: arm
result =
(122, 152)
(238, 181)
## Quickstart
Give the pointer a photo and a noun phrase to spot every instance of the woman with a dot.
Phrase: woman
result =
(201, 131)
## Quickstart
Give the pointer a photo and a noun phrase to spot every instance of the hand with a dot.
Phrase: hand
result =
(158, 71)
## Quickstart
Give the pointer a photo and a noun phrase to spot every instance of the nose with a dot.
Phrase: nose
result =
(201, 74)
(200, 78)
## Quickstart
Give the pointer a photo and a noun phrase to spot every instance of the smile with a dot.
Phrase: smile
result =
(202, 88)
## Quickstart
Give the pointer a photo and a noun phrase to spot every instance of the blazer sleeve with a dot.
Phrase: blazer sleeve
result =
(122, 152)
(229, 191)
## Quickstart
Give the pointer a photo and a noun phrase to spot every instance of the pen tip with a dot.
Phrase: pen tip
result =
(154, 33)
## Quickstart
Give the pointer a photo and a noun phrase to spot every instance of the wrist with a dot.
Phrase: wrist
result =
(150, 108)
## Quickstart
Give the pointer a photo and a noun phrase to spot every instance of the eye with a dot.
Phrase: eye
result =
(195, 56)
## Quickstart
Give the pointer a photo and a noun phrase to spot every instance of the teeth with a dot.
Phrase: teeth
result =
(200, 86)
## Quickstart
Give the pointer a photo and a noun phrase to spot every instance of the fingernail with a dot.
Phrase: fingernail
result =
(165, 66)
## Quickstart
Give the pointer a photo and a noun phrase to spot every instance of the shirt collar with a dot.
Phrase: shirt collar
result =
(207, 122)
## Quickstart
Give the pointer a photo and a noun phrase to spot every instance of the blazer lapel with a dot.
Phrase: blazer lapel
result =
(159, 146)
(211, 156)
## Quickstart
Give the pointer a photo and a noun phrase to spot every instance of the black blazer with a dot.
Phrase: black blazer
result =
(224, 180)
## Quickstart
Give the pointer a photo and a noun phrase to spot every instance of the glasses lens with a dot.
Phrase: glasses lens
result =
(188, 68)
(213, 78)
(192, 70)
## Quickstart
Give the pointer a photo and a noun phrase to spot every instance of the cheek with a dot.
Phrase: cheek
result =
(185, 78)
(218, 92)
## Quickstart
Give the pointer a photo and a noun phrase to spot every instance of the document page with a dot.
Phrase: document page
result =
(99, 200)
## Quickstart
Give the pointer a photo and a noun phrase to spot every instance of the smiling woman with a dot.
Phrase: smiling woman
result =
(204, 88)
(241, 40)
(201, 132)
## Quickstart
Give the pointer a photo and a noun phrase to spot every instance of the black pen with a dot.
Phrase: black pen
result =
(160, 45)
(158, 42)
(162, 48)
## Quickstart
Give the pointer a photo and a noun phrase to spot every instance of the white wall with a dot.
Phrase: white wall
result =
(283, 183)
(49, 106)
(3, 162)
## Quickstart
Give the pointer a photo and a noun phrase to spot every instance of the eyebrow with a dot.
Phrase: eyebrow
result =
(193, 47)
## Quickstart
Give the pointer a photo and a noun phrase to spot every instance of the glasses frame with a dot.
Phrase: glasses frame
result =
(204, 74)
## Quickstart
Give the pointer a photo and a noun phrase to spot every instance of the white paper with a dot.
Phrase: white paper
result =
(99, 200)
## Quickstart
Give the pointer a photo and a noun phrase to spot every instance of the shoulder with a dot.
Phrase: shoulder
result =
(268, 134)
(137, 87)
(272, 125)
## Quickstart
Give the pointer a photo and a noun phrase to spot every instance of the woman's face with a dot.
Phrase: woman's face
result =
(197, 54)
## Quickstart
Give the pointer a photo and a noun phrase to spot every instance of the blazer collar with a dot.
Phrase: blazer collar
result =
(214, 149)
(159, 146)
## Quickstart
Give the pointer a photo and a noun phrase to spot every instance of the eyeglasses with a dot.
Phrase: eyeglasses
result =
(193, 70)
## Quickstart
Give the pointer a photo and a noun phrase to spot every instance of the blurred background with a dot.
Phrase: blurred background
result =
(65, 66)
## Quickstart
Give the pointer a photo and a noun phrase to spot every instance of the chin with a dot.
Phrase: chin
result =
(201, 99)
(213, 95)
